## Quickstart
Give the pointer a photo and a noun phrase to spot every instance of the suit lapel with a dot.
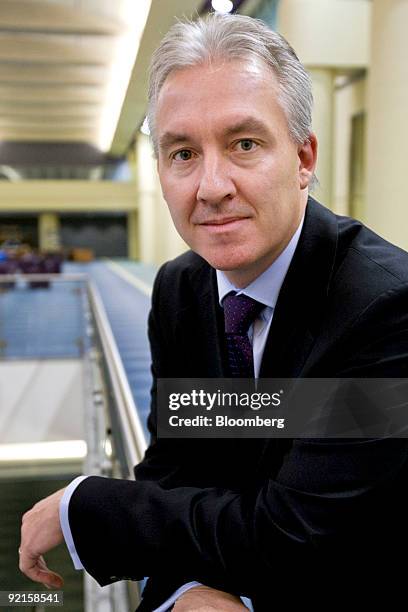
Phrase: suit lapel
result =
(213, 314)
(302, 299)
(200, 326)
(298, 316)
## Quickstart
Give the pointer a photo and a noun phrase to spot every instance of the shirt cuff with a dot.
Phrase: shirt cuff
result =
(66, 529)
(170, 601)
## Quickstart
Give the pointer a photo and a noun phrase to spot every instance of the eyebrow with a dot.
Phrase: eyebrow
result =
(170, 138)
(248, 124)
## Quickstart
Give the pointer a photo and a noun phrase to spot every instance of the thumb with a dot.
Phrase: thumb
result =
(51, 579)
(48, 577)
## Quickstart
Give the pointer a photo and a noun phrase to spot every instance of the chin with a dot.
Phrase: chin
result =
(227, 263)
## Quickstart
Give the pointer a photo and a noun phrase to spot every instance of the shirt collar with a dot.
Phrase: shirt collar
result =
(265, 288)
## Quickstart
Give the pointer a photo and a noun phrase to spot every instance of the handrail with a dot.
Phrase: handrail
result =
(43, 276)
(132, 438)
(132, 430)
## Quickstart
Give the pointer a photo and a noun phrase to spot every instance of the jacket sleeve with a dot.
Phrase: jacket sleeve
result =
(326, 496)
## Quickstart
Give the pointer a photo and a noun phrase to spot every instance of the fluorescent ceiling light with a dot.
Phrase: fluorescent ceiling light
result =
(134, 14)
(64, 449)
(222, 6)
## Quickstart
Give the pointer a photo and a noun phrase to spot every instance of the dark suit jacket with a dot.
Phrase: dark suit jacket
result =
(280, 519)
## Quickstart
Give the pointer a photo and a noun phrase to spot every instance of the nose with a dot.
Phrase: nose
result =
(215, 183)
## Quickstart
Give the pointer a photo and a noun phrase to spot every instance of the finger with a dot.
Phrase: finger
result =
(57, 579)
(36, 569)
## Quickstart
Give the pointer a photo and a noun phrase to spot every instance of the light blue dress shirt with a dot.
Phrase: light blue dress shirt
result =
(264, 289)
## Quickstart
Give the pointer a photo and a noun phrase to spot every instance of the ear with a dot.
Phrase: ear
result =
(307, 153)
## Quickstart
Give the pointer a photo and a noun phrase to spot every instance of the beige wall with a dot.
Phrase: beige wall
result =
(158, 240)
(133, 234)
(327, 33)
(350, 99)
(344, 37)
(49, 232)
(72, 196)
(323, 118)
(387, 126)
(331, 37)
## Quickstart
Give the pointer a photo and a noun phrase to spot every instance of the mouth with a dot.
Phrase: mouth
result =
(225, 224)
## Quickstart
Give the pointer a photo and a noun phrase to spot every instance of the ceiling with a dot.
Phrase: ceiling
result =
(56, 62)
(73, 80)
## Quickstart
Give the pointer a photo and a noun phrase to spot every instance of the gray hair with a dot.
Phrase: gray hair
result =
(231, 37)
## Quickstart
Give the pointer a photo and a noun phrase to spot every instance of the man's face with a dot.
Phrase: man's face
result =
(233, 179)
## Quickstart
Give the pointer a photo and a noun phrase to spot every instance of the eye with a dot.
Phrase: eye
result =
(183, 155)
(247, 144)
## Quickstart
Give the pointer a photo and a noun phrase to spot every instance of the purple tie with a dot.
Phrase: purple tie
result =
(240, 311)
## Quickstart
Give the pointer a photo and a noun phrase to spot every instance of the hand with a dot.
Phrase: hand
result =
(40, 532)
(205, 599)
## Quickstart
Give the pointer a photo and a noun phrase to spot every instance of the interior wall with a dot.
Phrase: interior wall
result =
(387, 126)
(70, 196)
(330, 37)
(327, 33)
(350, 100)
(158, 239)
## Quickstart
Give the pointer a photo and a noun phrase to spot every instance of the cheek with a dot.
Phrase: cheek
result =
(180, 199)
(179, 209)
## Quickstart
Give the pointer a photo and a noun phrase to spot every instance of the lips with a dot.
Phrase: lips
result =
(226, 225)
(223, 221)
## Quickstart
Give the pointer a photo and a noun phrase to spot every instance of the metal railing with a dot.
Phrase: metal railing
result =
(129, 430)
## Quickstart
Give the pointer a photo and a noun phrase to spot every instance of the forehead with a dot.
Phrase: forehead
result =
(212, 95)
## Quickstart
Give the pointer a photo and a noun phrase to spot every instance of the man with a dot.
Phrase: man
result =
(277, 520)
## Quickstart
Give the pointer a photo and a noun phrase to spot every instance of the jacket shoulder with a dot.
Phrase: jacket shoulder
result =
(186, 263)
(362, 251)
(363, 274)
(180, 279)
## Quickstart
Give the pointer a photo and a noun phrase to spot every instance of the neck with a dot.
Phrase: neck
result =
(245, 276)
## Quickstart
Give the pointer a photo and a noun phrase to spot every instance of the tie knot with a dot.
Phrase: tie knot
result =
(240, 311)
